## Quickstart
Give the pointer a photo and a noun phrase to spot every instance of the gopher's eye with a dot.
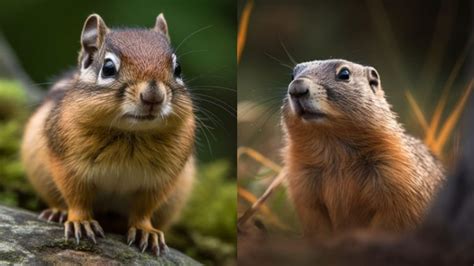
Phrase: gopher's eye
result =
(177, 70)
(343, 74)
(108, 69)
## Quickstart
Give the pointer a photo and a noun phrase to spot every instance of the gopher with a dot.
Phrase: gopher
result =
(349, 163)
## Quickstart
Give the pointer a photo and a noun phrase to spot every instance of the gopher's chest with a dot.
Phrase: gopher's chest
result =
(348, 201)
(343, 197)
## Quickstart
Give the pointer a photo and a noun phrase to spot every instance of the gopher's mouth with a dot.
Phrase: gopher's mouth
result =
(312, 115)
(307, 112)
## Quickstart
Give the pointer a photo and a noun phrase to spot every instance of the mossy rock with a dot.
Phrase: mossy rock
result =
(24, 239)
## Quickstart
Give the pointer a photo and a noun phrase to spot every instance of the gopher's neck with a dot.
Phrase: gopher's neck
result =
(380, 151)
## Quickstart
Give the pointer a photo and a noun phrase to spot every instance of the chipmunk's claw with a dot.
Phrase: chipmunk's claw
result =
(158, 245)
(53, 215)
(132, 233)
(74, 229)
(97, 228)
(144, 241)
(153, 238)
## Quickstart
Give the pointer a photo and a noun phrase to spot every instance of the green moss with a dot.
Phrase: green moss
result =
(12, 256)
(126, 255)
(14, 188)
(12, 100)
(212, 208)
(62, 245)
(207, 228)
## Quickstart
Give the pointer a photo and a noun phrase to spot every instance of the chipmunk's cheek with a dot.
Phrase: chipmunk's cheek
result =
(166, 110)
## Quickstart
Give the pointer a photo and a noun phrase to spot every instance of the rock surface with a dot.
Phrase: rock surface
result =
(24, 239)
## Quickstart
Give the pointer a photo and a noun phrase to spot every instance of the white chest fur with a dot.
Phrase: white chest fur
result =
(119, 177)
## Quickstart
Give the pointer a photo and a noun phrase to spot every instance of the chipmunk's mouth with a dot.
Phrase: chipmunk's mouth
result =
(140, 117)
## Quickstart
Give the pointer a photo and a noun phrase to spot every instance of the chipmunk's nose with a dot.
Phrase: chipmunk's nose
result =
(298, 88)
(152, 95)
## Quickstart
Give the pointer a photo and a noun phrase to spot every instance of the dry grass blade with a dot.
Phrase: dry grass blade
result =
(243, 28)
(251, 198)
(258, 203)
(430, 134)
(416, 109)
(453, 118)
(270, 217)
(258, 157)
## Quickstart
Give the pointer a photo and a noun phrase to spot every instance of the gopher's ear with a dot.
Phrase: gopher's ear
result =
(92, 38)
(374, 80)
(161, 26)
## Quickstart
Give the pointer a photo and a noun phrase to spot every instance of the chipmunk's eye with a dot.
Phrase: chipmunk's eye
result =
(177, 70)
(108, 69)
(343, 74)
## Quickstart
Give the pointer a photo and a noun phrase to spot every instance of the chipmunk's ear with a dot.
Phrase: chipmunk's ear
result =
(161, 26)
(92, 38)
(374, 80)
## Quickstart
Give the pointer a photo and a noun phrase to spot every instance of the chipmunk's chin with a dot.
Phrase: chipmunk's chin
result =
(140, 117)
(134, 120)
(141, 123)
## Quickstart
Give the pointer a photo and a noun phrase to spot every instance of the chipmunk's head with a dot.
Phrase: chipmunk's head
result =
(334, 92)
(132, 77)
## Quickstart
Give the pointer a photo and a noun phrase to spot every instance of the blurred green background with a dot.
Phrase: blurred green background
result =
(44, 36)
(414, 45)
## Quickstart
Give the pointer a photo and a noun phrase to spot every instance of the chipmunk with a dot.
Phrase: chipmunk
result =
(115, 135)
(349, 164)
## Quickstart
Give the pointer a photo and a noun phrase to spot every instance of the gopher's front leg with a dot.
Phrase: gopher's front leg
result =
(141, 229)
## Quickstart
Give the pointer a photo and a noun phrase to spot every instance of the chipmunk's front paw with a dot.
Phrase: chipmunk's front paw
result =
(148, 237)
(74, 229)
(53, 215)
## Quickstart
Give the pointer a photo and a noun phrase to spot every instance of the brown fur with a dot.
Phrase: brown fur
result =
(355, 167)
(83, 155)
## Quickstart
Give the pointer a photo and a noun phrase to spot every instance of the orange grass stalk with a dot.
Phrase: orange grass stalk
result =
(243, 28)
(258, 157)
(271, 218)
(416, 109)
(453, 118)
(430, 134)
(258, 203)
(251, 198)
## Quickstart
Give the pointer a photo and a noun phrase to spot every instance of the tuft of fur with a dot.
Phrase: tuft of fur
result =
(355, 167)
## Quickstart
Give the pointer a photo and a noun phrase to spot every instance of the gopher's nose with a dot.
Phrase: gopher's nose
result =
(152, 95)
(298, 88)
